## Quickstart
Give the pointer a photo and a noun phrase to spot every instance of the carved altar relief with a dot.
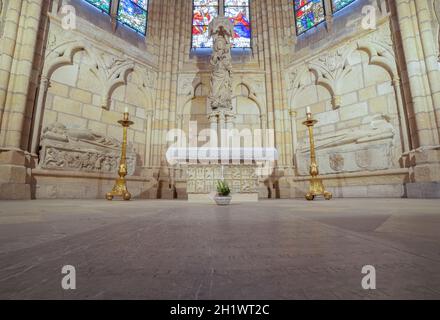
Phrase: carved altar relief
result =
(75, 149)
(202, 179)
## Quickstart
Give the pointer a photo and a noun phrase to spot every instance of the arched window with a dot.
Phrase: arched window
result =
(236, 10)
(134, 14)
(308, 14)
(340, 4)
(104, 5)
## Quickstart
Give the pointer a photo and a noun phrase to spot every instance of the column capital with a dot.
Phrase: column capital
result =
(213, 117)
(149, 114)
(396, 81)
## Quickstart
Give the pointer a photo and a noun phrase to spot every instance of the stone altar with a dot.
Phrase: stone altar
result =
(241, 178)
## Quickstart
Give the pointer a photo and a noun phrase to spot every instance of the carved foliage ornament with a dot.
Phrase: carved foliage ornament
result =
(111, 71)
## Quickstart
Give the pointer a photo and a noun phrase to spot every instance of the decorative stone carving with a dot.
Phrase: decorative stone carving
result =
(336, 161)
(330, 69)
(111, 72)
(354, 150)
(202, 179)
(74, 149)
(220, 98)
(379, 129)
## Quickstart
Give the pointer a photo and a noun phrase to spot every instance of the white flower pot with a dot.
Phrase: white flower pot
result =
(223, 201)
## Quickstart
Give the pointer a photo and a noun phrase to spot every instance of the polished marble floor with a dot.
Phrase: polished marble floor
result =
(274, 249)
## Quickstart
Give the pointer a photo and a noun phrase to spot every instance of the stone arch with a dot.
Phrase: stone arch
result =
(249, 93)
(246, 107)
(63, 55)
(381, 54)
(379, 57)
(60, 56)
(139, 79)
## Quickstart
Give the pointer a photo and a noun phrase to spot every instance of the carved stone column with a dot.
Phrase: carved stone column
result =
(213, 120)
(430, 54)
(222, 129)
(19, 58)
(402, 115)
(426, 127)
(293, 115)
(44, 86)
(264, 138)
(229, 118)
(148, 151)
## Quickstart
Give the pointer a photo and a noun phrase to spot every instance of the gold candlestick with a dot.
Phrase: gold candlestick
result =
(316, 185)
(120, 187)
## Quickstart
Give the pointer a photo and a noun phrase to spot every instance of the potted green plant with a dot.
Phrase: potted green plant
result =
(223, 197)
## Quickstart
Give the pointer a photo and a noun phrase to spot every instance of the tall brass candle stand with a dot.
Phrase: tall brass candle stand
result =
(316, 185)
(120, 187)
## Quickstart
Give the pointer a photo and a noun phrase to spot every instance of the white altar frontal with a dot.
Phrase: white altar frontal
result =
(202, 181)
(240, 168)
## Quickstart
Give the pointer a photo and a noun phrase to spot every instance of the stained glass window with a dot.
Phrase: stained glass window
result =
(308, 13)
(134, 14)
(203, 13)
(340, 4)
(206, 10)
(238, 13)
(104, 5)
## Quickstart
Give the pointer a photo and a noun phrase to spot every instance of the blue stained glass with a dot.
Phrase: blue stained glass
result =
(340, 4)
(133, 13)
(239, 16)
(104, 5)
(308, 14)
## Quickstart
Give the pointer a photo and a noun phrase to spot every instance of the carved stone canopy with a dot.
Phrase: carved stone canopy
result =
(221, 26)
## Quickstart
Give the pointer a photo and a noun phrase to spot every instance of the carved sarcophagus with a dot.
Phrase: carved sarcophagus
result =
(73, 149)
(367, 149)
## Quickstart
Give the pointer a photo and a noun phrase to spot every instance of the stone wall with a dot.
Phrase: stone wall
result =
(376, 94)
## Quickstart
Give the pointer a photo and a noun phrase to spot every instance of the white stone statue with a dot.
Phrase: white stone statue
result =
(220, 98)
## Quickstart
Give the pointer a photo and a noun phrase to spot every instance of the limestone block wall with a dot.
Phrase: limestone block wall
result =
(346, 92)
(376, 93)
(74, 98)
(88, 79)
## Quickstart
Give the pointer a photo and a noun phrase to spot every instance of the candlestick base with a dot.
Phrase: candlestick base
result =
(119, 190)
(317, 189)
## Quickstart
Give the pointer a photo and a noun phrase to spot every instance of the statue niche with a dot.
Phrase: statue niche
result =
(77, 149)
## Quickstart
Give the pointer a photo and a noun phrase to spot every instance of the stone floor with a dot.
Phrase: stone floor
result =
(274, 249)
